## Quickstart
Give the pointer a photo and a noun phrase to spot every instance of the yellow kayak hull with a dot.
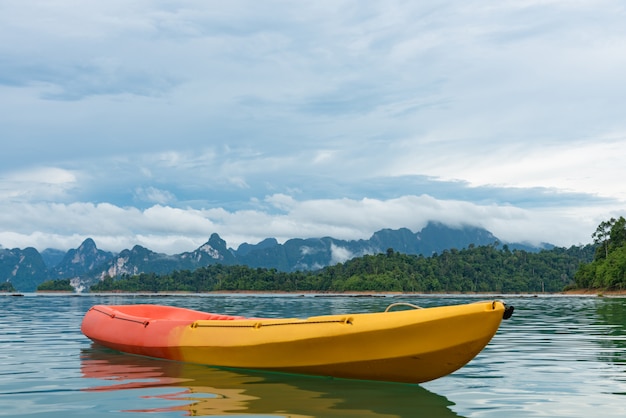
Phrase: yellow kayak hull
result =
(414, 345)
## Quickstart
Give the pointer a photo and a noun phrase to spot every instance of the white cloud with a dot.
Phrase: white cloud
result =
(173, 230)
(339, 254)
(322, 119)
(37, 183)
(154, 195)
(579, 166)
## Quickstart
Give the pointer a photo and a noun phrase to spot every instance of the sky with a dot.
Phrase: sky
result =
(161, 122)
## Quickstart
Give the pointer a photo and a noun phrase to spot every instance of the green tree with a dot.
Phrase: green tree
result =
(617, 235)
(609, 234)
(62, 285)
(608, 268)
(7, 286)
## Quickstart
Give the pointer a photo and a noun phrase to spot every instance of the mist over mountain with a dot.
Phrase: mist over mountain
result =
(85, 265)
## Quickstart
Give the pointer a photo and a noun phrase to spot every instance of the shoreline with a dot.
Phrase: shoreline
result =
(356, 294)
(596, 292)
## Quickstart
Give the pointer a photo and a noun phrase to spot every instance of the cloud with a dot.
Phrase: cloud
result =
(81, 80)
(161, 123)
(173, 230)
(40, 183)
(160, 228)
(154, 195)
(339, 254)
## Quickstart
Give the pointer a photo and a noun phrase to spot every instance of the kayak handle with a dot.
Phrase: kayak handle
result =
(508, 311)
(393, 305)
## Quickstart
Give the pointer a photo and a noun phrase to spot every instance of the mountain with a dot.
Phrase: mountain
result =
(137, 260)
(142, 260)
(435, 237)
(316, 253)
(213, 252)
(52, 257)
(26, 269)
(81, 261)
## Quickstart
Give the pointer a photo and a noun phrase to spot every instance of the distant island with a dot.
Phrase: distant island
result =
(493, 268)
(86, 265)
(478, 269)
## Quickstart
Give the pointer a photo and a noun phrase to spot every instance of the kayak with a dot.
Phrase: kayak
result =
(409, 345)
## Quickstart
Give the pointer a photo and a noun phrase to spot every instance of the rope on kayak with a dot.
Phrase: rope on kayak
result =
(218, 324)
(113, 316)
(393, 305)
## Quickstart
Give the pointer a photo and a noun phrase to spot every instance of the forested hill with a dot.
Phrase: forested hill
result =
(474, 269)
(607, 271)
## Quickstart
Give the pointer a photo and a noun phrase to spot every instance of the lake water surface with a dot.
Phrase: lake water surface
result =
(557, 356)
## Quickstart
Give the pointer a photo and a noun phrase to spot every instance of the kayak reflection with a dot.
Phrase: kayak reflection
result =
(198, 390)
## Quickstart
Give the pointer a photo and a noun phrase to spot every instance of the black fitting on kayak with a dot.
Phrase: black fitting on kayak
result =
(508, 312)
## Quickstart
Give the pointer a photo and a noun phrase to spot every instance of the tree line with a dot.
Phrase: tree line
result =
(6, 287)
(491, 268)
(62, 285)
(608, 269)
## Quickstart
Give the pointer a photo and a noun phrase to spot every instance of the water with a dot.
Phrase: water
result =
(557, 357)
